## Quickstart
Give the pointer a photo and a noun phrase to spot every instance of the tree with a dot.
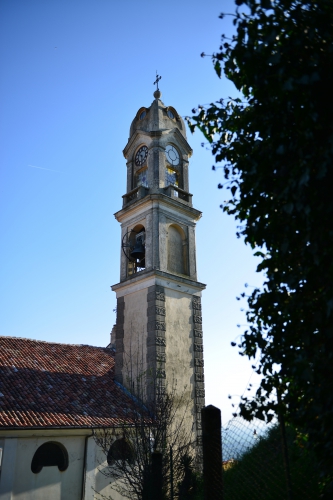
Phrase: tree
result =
(276, 145)
(156, 425)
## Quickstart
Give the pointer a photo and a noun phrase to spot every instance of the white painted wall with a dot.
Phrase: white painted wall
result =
(98, 479)
(18, 482)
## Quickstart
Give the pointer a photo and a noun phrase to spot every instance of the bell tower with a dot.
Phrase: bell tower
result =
(159, 322)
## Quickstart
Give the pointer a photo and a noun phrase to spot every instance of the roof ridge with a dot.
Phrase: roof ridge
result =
(50, 342)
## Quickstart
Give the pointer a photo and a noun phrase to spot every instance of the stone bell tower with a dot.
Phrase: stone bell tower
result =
(159, 322)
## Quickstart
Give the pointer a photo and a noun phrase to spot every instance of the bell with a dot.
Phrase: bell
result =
(138, 251)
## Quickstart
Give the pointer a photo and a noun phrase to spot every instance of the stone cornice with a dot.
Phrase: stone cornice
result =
(151, 200)
(146, 278)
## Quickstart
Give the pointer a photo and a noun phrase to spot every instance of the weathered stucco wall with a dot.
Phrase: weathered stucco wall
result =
(179, 341)
(135, 340)
(99, 482)
(176, 257)
(18, 482)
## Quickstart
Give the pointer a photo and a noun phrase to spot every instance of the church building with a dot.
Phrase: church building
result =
(53, 395)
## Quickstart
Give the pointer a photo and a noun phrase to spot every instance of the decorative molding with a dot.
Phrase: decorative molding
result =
(160, 373)
(199, 440)
(160, 296)
(196, 306)
(198, 362)
(198, 347)
(199, 386)
(156, 342)
(198, 408)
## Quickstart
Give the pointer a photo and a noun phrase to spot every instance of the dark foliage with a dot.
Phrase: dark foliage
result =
(276, 145)
(259, 472)
(191, 485)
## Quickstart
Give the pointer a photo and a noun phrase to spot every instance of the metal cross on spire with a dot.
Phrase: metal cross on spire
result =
(157, 80)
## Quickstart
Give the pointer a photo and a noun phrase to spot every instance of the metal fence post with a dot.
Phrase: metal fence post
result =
(171, 473)
(212, 453)
(157, 478)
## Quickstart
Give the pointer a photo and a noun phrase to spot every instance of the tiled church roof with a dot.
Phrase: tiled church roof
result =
(44, 384)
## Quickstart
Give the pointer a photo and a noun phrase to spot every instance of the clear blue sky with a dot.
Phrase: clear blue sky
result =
(73, 75)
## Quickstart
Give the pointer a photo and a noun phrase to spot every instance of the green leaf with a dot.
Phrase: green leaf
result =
(217, 67)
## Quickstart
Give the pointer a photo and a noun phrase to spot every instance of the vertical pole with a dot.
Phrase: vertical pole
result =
(212, 453)
(147, 486)
(171, 473)
(284, 448)
(157, 479)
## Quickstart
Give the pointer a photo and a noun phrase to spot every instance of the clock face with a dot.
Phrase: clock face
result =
(141, 156)
(172, 155)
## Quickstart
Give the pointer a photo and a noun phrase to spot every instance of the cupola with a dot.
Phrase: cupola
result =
(157, 154)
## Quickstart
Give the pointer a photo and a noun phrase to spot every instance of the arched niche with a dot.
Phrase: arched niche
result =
(173, 115)
(50, 454)
(121, 450)
(177, 250)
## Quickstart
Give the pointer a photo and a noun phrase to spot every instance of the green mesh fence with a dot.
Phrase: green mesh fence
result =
(254, 465)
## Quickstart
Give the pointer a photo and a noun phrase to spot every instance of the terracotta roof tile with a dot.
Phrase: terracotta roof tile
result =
(46, 384)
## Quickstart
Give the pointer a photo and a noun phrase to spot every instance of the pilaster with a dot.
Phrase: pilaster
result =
(198, 363)
(119, 358)
(129, 180)
(156, 340)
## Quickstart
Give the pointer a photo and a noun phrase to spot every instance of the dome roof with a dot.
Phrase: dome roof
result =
(157, 117)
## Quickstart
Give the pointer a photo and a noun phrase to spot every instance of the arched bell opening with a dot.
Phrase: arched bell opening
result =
(134, 247)
(177, 250)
